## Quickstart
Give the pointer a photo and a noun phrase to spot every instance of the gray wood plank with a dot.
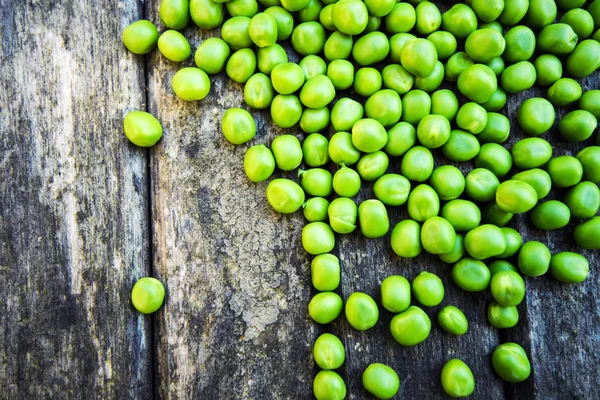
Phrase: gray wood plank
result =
(73, 204)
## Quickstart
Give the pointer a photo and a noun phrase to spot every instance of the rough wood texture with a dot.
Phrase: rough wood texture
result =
(73, 204)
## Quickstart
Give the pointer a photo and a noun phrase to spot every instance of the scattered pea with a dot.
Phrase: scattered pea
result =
(147, 295)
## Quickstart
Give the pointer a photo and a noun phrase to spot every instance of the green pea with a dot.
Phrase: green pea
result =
(238, 126)
(314, 119)
(284, 20)
(514, 11)
(428, 289)
(315, 210)
(325, 272)
(401, 19)
(565, 171)
(371, 48)
(550, 215)
(287, 77)
(338, 46)
(346, 182)
(453, 321)
(531, 153)
(314, 150)
(497, 65)
(496, 130)
(329, 352)
(463, 215)
(513, 243)
(581, 21)
(478, 82)
(317, 92)
(367, 81)
(590, 101)
(495, 158)
(534, 258)
(569, 267)
(329, 386)
(496, 102)
(456, 64)
(590, 161)
(308, 38)
(326, 19)
(508, 288)
(472, 118)
(416, 104)
(287, 151)
(259, 163)
(445, 103)
(244, 8)
(471, 275)
(419, 57)
(368, 135)
(457, 379)
(564, 91)
(372, 165)
(174, 13)
(341, 73)
(269, 3)
(398, 40)
(558, 39)
(286, 110)
(460, 20)
(207, 14)
(501, 265)
(148, 295)
(395, 293)
(536, 116)
(259, 94)
(324, 307)
(318, 238)
(310, 12)
(587, 234)
(515, 196)
(361, 311)
(577, 126)
(569, 4)
(428, 18)
(433, 131)
(594, 9)
(269, 57)
(406, 239)
(444, 42)
(381, 381)
(417, 164)
(483, 45)
(385, 107)
(583, 200)
(211, 55)
(379, 8)
(235, 32)
(438, 236)
(502, 317)
(241, 65)
(520, 44)
(373, 219)
(457, 252)
(423, 203)
(342, 215)
(461, 146)
(350, 17)
(142, 128)
(411, 326)
(548, 68)
(538, 179)
(540, 13)
(345, 113)
(493, 214)
(401, 138)
(140, 37)
(485, 241)
(510, 360)
(518, 77)
(481, 184)
(316, 182)
(341, 149)
(190, 84)
(285, 196)
(448, 181)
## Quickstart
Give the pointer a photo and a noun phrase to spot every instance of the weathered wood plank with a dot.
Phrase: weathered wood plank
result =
(73, 204)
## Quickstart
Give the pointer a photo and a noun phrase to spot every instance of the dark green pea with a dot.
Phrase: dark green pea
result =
(583, 200)
(456, 64)
(587, 234)
(317, 92)
(538, 179)
(241, 65)
(259, 163)
(318, 238)
(419, 57)
(496, 130)
(457, 252)
(432, 81)
(549, 69)
(373, 219)
(569, 267)
(478, 82)
(501, 265)
(508, 288)
(341, 73)
(212, 55)
(534, 258)
(315, 210)
(496, 102)
(531, 153)
(345, 113)
(502, 317)
(510, 360)
(346, 182)
(309, 38)
(287, 151)
(590, 101)
(433, 131)
(395, 293)
(259, 93)
(367, 81)
(328, 352)
(565, 171)
(471, 275)
(457, 379)
(536, 116)
(514, 11)
(371, 48)
(481, 184)
(557, 39)
(472, 118)
(381, 381)
(515, 196)
(235, 32)
(361, 311)
(445, 103)
(395, 77)
(463, 215)
(550, 215)
(312, 66)
(520, 44)
(416, 104)
(341, 149)
(316, 182)
(406, 239)
(207, 14)
(174, 13)
(497, 65)
(284, 20)
(428, 289)
(461, 146)
(244, 8)
(338, 46)
(402, 18)
(485, 241)
(315, 150)
(581, 21)
(444, 42)
(460, 20)
(594, 9)
(495, 158)
(411, 326)
(140, 37)
(540, 13)
(329, 386)
(372, 165)
(342, 214)
(324, 307)
(570, 4)
(368, 135)
(564, 91)
(437, 236)
(423, 203)
(590, 160)
(385, 107)
(314, 119)
(577, 125)
(493, 214)
(284, 195)
(417, 164)
(518, 77)
(401, 138)
(448, 181)
(483, 45)
(398, 41)
(513, 243)
(269, 57)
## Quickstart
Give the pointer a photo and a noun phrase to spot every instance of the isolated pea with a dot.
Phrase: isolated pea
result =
(285, 196)
(508, 288)
(317, 92)
(550, 215)
(448, 181)
(350, 17)
(496, 130)
(587, 234)
(590, 101)
(411, 326)
(406, 239)
(324, 307)
(583, 200)
(325, 272)
(493, 214)
(513, 12)
(401, 138)
(244, 8)
(457, 379)
(584, 60)
(338, 46)
(456, 64)
(485, 241)
(207, 14)
(478, 82)
(315, 210)
(238, 126)
(416, 104)
(329, 352)
(259, 163)
(520, 44)
(510, 361)
(315, 119)
(286, 110)
(342, 214)
(174, 13)
(395, 293)
(402, 18)
(502, 317)
(518, 77)
(341, 150)
(445, 103)
(460, 20)
(381, 381)
(461, 146)
(367, 81)
(438, 236)
(419, 57)
(471, 275)
(496, 102)
(373, 219)
(329, 386)
(314, 150)
(287, 152)
(569, 267)
(428, 289)
(536, 116)
(361, 311)
(501, 265)
(241, 65)
(190, 84)
(457, 252)
(453, 320)
(483, 45)
(531, 153)
(534, 258)
(385, 107)
(269, 57)
(513, 243)
(538, 179)
(548, 68)
(463, 215)
(368, 135)
(148, 295)
(577, 125)
(481, 184)
(564, 91)
(581, 21)
(472, 117)
(142, 128)
(140, 37)
(565, 171)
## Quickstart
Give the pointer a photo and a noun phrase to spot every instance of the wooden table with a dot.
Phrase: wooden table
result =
(84, 214)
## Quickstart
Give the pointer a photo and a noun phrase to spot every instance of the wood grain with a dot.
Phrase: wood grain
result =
(73, 204)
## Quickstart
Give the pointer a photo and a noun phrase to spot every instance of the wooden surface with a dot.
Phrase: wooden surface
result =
(84, 214)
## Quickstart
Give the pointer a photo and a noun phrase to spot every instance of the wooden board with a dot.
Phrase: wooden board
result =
(73, 204)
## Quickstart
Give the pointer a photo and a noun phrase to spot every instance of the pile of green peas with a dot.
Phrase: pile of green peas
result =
(368, 91)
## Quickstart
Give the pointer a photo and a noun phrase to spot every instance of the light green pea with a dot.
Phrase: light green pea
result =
(315, 210)
(444, 102)
(453, 320)
(520, 44)
(497, 65)
(342, 215)
(587, 234)
(361, 311)
(590, 101)
(502, 317)
(438, 236)
(207, 14)
(140, 37)
(329, 386)
(510, 360)
(448, 181)
(495, 158)
(471, 275)
(514, 11)
(419, 57)
(456, 64)
(406, 239)
(371, 48)
(345, 113)
(457, 252)
(496, 102)
(411, 326)
(398, 41)
(463, 215)
(402, 18)
(367, 81)
(235, 32)
(496, 130)
(460, 20)
(211, 55)
(416, 104)
(516, 196)
(329, 352)
(534, 258)
(373, 219)
(584, 60)
(540, 13)
(569, 267)
(325, 272)
(341, 149)
(565, 171)
(324, 307)
(423, 203)
(310, 12)
(577, 126)
(558, 39)
(481, 184)
(428, 289)
(508, 288)
(428, 18)
(259, 163)
(269, 57)
(238, 126)
(287, 151)
(583, 200)
(287, 78)
(308, 38)
(284, 20)
(433, 131)
(472, 118)
(518, 77)
(314, 150)
(531, 153)
(317, 92)
(461, 146)
(346, 182)
(259, 93)
(395, 293)
(381, 381)
(478, 83)
(341, 73)
(244, 8)
(538, 179)
(241, 65)
(485, 241)
(457, 379)
(285, 196)
(417, 164)
(385, 107)
(174, 13)
(371, 166)
(536, 116)
(564, 91)
(286, 110)
(191, 84)
(316, 182)
(401, 137)
(314, 119)
(318, 238)
(548, 68)
(142, 128)
(338, 46)
(148, 295)
(368, 135)
(483, 45)
(444, 42)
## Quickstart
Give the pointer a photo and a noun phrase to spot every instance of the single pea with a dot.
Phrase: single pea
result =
(538, 179)
(513, 243)
(564, 91)
(444, 42)
(423, 203)
(540, 13)
(460, 20)
(147, 295)
(590, 161)
(516, 196)
(496, 130)
(557, 39)
(361, 311)
(311, 12)
(318, 238)
(581, 21)
(373, 219)
(577, 126)
(502, 317)
(471, 275)
(461, 146)
(285, 196)
(456, 64)
(485, 241)
(235, 32)
(315, 210)
(287, 152)
(590, 101)
(428, 289)
(371, 166)
(346, 182)
(416, 105)
(263, 30)
(463, 215)
(241, 65)
(190, 84)
(324, 307)
(518, 77)
(548, 68)
(326, 18)
(395, 293)
(342, 215)
(487, 10)
(315, 150)
(341, 150)
(212, 55)
(371, 48)
(472, 118)
(457, 252)
(534, 258)
(174, 13)
(287, 78)
(174, 46)
(402, 18)
(286, 110)
(501, 265)
(481, 184)
(325, 272)
(368, 135)
(569, 4)
(341, 73)
(308, 38)
(510, 360)
(445, 103)
(433, 131)
(531, 153)
(594, 9)
(569, 267)
(315, 119)
(329, 386)
(316, 182)
(438, 236)
(453, 320)
(244, 8)
(583, 200)
(398, 40)
(536, 116)
(269, 57)
(313, 65)
(508, 288)
(493, 214)
(482, 45)
(259, 163)
(399, 79)
(411, 326)
(496, 102)
(329, 352)
(350, 17)
(338, 46)
(294, 5)
(367, 81)
(381, 381)
(565, 171)
(401, 137)
(317, 92)
(385, 107)
(584, 60)
(550, 215)
(238, 126)
(497, 65)
(428, 18)
(478, 82)
(419, 57)
(406, 239)
(520, 44)
(207, 14)
(259, 93)
(345, 113)
(457, 379)
(448, 181)
(142, 128)
(140, 37)
(587, 234)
